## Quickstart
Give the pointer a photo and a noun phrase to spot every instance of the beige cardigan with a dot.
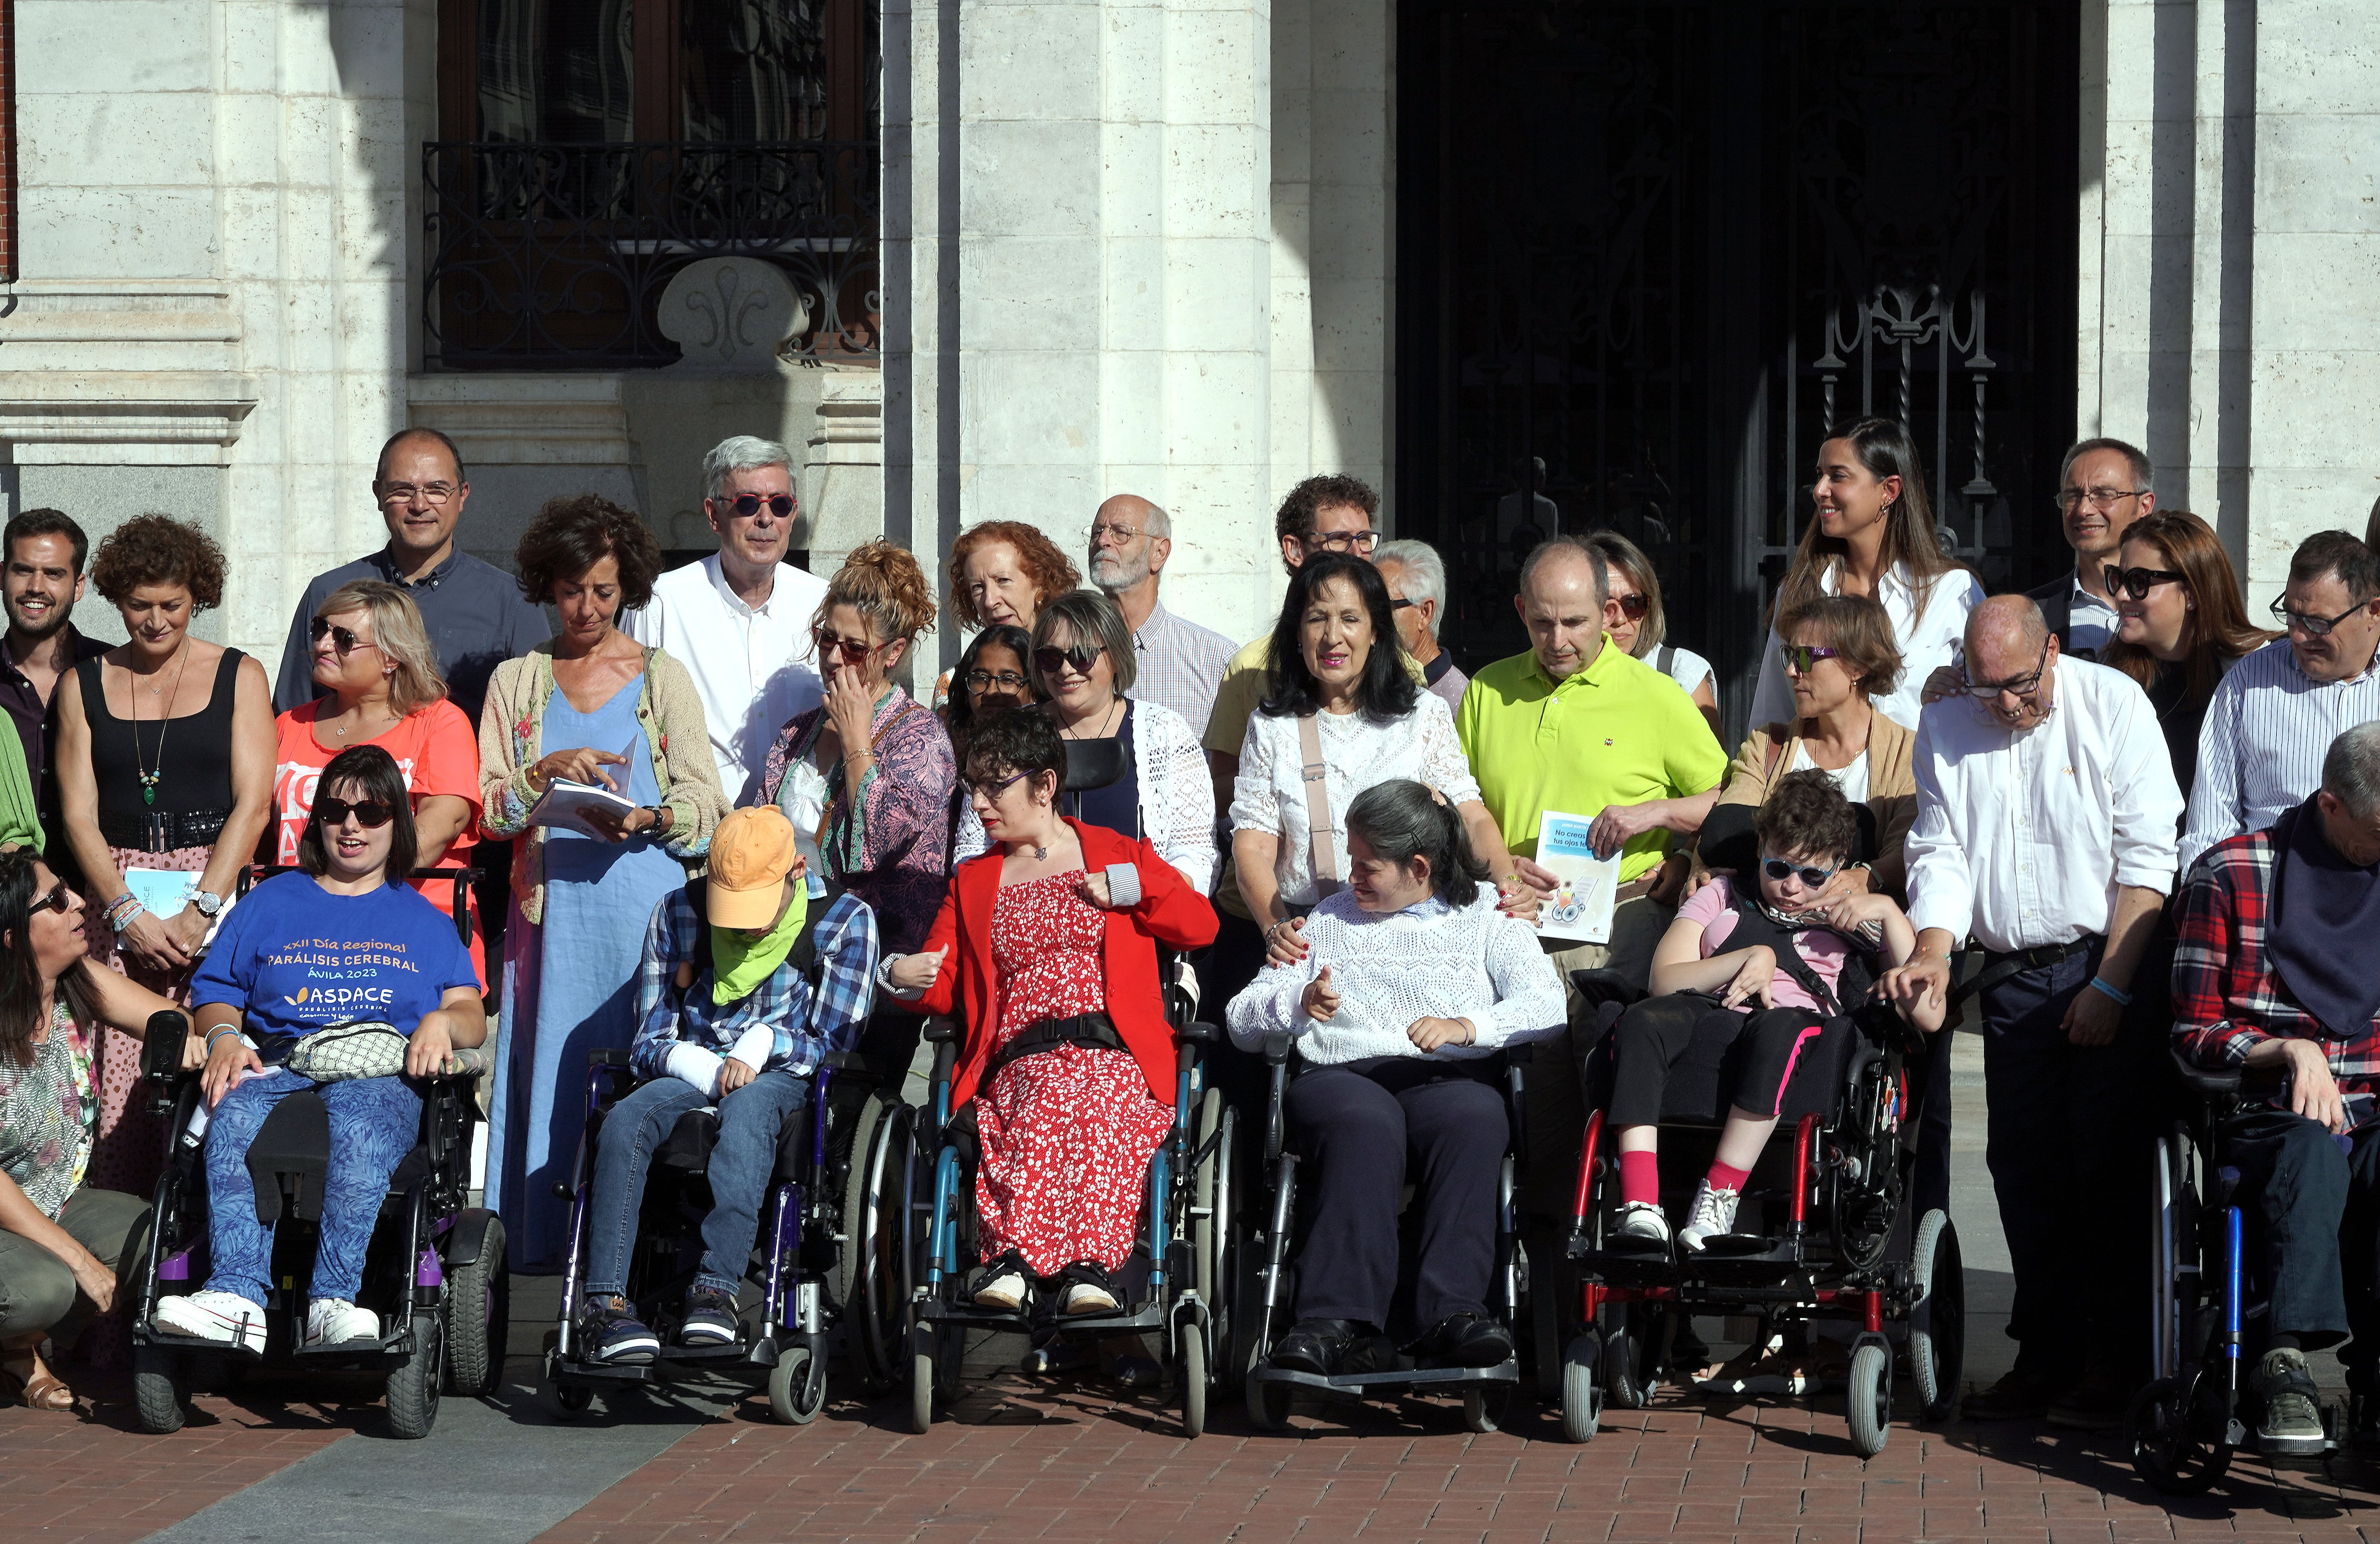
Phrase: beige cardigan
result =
(1891, 786)
(512, 733)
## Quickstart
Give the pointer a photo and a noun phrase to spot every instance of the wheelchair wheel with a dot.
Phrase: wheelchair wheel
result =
(413, 1383)
(2175, 1431)
(924, 1364)
(1192, 1376)
(1868, 1399)
(872, 1278)
(161, 1388)
(562, 1403)
(1631, 1337)
(796, 1388)
(1212, 1236)
(1937, 1322)
(1582, 1387)
(479, 1316)
(1268, 1405)
(1482, 1409)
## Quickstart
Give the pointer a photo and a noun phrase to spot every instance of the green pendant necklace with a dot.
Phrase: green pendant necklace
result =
(149, 779)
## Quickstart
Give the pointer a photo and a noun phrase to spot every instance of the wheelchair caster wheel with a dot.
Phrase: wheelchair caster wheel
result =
(561, 1402)
(796, 1388)
(2174, 1433)
(1192, 1376)
(161, 1388)
(1868, 1399)
(1482, 1409)
(1268, 1405)
(1581, 1388)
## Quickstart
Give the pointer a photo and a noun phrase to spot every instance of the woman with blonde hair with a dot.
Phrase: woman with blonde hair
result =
(1634, 615)
(373, 655)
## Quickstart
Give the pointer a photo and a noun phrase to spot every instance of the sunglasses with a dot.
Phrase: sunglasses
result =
(746, 505)
(2316, 627)
(2138, 582)
(342, 639)
(853, 653)
(985, 680)
(1633, 607)
(1803, 658)
(57, 900)
(1082, 656)
(370, 814)
(1779, 869)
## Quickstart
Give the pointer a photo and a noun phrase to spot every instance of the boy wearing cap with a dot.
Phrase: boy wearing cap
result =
(729, 1017)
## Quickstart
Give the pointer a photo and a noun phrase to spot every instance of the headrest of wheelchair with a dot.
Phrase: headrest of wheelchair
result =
(1094, 764)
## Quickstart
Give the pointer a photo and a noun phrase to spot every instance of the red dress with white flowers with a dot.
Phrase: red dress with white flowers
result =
(1066, 1134)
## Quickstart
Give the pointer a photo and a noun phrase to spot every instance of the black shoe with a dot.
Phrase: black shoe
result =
(2291, 1427)
(2097, 1401)
(709, 1318)
(610, 1332)
(1467, 1340)
(1315, 1345)
(2023, 1396)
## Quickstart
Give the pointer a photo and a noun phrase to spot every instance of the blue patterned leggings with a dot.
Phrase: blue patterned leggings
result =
(374, 1122)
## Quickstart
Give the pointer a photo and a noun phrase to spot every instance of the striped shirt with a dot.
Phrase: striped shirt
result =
(1180, 664)
(2268, 726)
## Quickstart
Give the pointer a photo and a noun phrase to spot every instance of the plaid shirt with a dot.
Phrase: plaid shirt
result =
(808, 1025)
(2226, 997)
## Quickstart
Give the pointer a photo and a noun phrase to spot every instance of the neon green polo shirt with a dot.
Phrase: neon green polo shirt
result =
(1618, 732)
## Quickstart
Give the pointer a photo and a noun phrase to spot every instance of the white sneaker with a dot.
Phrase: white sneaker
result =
(224, 1318)
(1005, 1292)
(1086, 1297)
(1643, 1219)
(1713, 1214)
(336, 1321)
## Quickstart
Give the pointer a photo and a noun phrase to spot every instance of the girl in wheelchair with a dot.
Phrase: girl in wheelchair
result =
(1772, 962)
(1066, 1050)
(1413, 980)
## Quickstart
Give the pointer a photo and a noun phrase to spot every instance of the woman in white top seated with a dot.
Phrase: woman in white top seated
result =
(1413, 980)
(1635, 618)
(1338, 695)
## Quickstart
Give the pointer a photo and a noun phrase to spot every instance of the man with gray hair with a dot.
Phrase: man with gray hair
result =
(1417, 582)
(2272, 969)
(739, 620)
(1180, 663)
(2103, 487)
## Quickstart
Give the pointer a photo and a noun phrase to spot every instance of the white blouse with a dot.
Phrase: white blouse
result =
(1851, 779)
(1927, 640)
(1428, 961)
(1357, 754)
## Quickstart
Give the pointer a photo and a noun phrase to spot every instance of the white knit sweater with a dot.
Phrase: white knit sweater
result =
(1428, 961)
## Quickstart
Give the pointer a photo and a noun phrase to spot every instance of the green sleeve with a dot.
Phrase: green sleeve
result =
(20, 822)
(1696, 763)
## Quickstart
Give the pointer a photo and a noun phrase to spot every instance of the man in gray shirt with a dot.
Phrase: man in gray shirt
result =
(1181, 663)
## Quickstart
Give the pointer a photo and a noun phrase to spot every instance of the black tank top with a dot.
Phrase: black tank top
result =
(195, 766)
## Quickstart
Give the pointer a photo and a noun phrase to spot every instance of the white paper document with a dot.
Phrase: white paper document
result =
(1580, 908)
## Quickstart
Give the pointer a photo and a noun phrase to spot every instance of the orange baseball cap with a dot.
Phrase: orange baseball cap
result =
(751, 853)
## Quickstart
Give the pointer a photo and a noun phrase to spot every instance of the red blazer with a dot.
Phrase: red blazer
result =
(1170, 912)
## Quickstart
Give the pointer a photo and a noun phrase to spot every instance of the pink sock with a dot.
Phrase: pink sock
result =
(1722, 1177)
(1640, 1177)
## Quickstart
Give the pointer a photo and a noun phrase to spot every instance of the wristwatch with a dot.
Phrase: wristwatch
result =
(207, 901)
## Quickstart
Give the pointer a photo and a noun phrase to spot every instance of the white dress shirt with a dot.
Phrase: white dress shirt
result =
(2268, 726)
(2022, 836)
(754, 666)
(1927, 639)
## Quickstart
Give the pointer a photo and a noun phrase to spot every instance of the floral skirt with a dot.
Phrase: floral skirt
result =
(1066, 1137)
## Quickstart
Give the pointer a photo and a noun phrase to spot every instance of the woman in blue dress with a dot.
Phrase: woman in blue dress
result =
(592, 706)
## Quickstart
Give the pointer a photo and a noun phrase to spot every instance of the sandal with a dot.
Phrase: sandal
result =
(35, 1387)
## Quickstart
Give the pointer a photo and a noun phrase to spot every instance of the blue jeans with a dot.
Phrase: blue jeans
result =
(746, 1156)
(374, 1122)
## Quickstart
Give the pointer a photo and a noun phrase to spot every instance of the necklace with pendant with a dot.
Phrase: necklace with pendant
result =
(149, 779)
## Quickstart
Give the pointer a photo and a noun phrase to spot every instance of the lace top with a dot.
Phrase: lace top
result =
(1357, 754)
(48, 1113)
(1428, 961)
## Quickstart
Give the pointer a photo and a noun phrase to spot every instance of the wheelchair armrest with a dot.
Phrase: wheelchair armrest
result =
(467, 1064)
(2229, 1082)
(607, 1057)
(1521, 1055)
(939, 1030)
(161, 1042)
(1202, 1034)
(843, 1060)
(1276, 1048)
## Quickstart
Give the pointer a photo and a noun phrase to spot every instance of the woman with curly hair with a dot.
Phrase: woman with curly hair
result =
(592, 706)
(1002, 572)
(165, 768)
(866, 777)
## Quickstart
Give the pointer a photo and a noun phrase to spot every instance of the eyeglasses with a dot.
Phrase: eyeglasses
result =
(854, 654)
(1400, 603)
(2314, 626)
(1779, 869)
(370, 814)
(2138, 582)
(1803, 658)
(2023, 686)
(1123, 536)
(432, 493)
(990, 792)
(345, 641)
(746, 505)
(984, 680)
(1342, 540)
(2098, 498)
(57, 900)
(1633, 607)
(1082, 656)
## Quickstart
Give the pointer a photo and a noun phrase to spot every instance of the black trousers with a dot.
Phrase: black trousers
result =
(1656, 1032)
(2068, 1149)
(1360, 1124)
(2312, 1204)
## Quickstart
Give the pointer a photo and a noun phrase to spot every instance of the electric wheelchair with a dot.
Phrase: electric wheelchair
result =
(1834, 1240)
(1270, 1243)
(2184, 1426)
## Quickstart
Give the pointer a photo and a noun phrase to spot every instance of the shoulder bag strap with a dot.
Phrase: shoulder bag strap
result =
(1662, 656)
(1322, 841)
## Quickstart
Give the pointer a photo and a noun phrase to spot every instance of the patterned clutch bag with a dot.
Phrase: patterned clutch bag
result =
(361, 1047)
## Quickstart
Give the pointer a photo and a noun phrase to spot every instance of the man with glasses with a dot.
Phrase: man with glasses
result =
(2272, 718)
(2046, 814)
(1416, 581)
(739, 620)
(474, 611)
(1179, 662)
(2104, 487)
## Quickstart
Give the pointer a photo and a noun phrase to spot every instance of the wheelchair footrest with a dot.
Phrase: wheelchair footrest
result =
(1148, 1316)
(166, 1340)
(1418, 1380)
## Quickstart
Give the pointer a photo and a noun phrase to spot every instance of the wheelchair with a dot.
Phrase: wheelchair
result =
(2184, 1426)
(435, 1273)
(1836, 1244)
(1270, 1392)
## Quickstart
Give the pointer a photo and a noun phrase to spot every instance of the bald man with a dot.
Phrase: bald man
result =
(2047, 811)
(1181, 663)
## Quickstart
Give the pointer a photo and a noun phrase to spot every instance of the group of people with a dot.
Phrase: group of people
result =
(2155, 823)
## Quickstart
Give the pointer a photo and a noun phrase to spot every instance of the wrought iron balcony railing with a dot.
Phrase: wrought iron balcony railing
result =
(555, 256)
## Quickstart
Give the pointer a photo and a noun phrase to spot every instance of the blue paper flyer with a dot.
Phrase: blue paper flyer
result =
(1580, 908)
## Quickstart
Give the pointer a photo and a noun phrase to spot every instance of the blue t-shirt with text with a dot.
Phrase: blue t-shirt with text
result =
(295, 958)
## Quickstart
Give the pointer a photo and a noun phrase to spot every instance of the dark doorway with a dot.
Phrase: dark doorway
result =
(1647, 254)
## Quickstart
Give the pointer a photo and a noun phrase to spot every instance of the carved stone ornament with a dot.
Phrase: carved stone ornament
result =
(731, 313)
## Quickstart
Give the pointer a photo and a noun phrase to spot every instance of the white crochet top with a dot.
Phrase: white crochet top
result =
(1428, 961)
